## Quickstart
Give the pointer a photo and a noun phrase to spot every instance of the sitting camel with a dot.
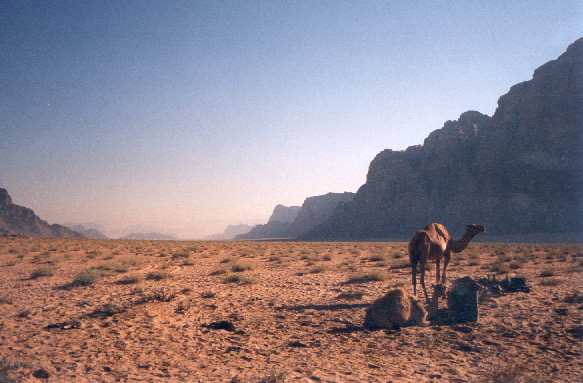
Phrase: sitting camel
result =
(433, 243)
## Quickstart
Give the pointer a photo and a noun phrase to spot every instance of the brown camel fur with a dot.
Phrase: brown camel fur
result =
(433, 243)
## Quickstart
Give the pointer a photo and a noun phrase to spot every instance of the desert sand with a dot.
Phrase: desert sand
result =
(92, 311)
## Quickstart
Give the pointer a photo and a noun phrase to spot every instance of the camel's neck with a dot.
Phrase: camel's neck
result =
(459, 245)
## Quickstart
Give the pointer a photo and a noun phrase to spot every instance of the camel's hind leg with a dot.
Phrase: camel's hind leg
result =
(414, 277)
(422, 278)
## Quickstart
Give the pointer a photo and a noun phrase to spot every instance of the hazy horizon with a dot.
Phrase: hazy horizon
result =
(186, 117)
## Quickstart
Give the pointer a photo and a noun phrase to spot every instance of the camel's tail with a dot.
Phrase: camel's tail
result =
(418, 244)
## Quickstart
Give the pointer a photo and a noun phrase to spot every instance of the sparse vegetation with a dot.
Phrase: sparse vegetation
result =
(157, 275)
(238, 279)
(365, 278)
(41, 272)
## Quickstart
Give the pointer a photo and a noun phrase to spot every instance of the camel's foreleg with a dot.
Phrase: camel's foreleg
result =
(437, 269)
(446, 257)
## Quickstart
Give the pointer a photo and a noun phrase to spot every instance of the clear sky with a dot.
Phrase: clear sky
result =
(185, 116)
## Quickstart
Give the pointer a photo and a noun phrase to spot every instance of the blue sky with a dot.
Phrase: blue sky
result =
(186, 116)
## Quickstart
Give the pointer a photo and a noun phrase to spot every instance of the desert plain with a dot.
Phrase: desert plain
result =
(200, 311)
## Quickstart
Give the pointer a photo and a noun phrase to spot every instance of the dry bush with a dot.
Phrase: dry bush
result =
(350, 296)
(156, 276)
(239, 267)
(547, 273)
(326, 257)
(4, 300)
(207, 294)
(317, 269)
(219, 271)
(128, 280)
(41, 272)
(83, 279)
(238, 279)
(550, 282)
(365, 278)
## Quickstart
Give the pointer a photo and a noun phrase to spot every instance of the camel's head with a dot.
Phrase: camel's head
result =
(475, 229)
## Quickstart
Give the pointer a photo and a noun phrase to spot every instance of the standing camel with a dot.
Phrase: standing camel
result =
(433, 243)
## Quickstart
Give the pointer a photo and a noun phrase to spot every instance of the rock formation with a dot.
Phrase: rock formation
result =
(230, 232)
(88, 232)
(295, 221)
(15, 219)
(517, 172)
(278, 225)
(394, 310)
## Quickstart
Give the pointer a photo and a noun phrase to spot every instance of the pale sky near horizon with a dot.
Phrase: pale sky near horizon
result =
(183, 117)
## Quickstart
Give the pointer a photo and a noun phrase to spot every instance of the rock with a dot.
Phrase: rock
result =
(514, 284)
(296, 344)
(68, 325)
(394, 310)
(41, 373)
(516, 172)
(15, 219)
(221, 325)
(462, 301)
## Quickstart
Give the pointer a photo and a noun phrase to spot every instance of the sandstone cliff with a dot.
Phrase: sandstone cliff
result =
(16, 219)
(518, 172)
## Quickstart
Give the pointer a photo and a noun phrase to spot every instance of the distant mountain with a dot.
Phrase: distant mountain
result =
(150, 236)
(15, 219)
(278, 225)
(284, 214)
(518, 172)
(88, 232)
(317, 210)
(230, 232)
(298, 220)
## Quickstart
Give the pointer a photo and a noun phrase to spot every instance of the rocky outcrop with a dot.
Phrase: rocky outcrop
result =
(284, 214)
(278, 225)
(313, 212)
(517, 172)
(230, 232)
(317, 210)
(15, 219)
(88, 232)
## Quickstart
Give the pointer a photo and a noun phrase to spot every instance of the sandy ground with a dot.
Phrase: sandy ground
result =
(143, 314)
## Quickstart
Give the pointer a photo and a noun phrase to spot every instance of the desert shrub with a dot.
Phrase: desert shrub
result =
(350, 295)
(156, 276)
(550, 282)
(376, 258)
(365, 278)
(240, 267)
(41, 272)
(316, 269)
(326, 257)
(219, 271)
(4, 300)
(514, 265)
(547, 273)
(207, 294)
(85, 278)
(238, 279)
(228, 260)
(273, 377)
(180, 254)
(128, 280)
